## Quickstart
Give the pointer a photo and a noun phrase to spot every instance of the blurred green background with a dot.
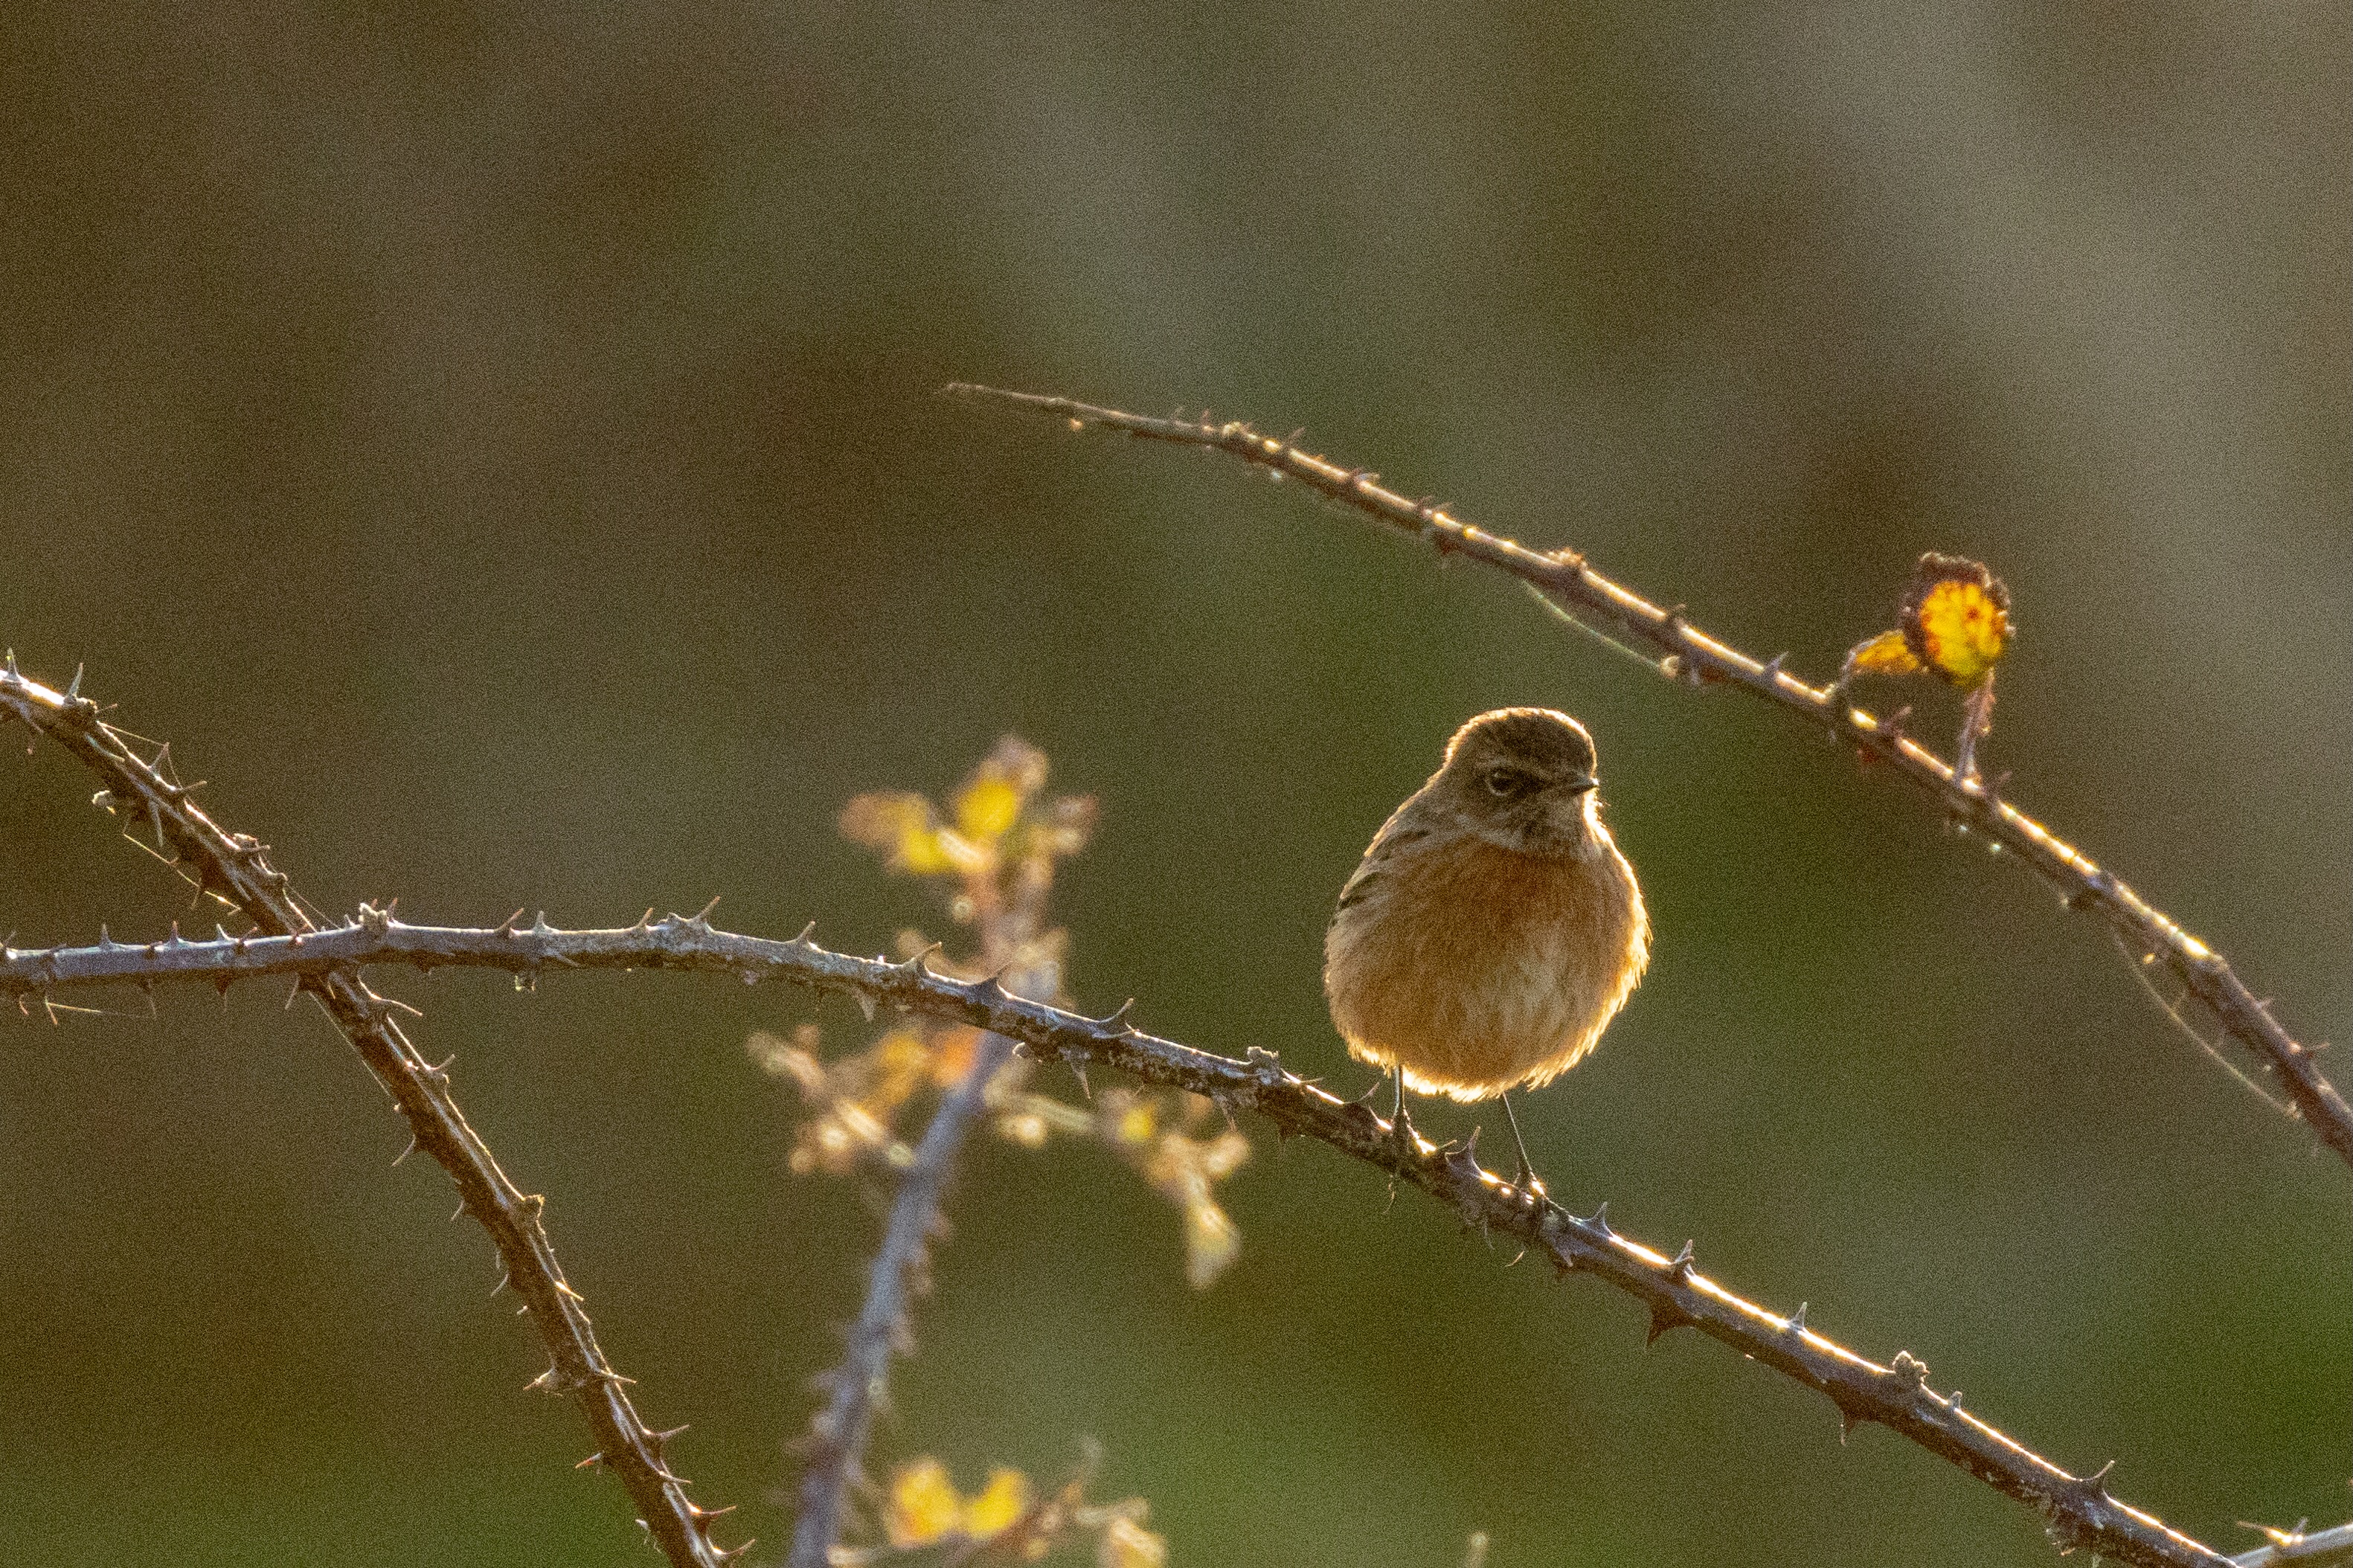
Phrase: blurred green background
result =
(497, 446)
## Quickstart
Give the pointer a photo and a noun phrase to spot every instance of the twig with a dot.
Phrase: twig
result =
(1694, 657)
(1009, 920)
(236, 869)
(2079, 1509)
(838, 1437)
(2294, 1548)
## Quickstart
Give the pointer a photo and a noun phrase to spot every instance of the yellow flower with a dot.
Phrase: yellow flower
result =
(924, 1508)
(989, 808)
(1137, 1124)
(923, 1504)
(996, 1506)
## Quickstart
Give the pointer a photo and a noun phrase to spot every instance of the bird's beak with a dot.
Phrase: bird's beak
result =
(1580, 783)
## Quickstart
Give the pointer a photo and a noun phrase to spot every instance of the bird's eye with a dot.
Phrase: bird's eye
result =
(1505, 782)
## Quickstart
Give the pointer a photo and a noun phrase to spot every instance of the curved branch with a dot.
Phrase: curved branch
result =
(2079, 1509)
(1699, 660)
(236, 869)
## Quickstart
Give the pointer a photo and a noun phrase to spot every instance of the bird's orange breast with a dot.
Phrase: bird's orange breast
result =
(1474, 969)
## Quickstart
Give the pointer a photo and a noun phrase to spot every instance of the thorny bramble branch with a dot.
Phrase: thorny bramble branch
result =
(2080, 1510)
(1698, 659)
(236, 869)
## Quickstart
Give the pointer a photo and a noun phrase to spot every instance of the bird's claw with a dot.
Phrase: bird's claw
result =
(1401, 1132)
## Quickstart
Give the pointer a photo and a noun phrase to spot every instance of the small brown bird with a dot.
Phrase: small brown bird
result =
(1492, 928)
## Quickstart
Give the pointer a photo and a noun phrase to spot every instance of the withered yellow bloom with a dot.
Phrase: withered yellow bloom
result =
(1955, 618)
(1954, 622)
(1886, 654)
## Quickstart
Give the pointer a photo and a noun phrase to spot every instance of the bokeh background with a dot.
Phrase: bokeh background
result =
(497, 445)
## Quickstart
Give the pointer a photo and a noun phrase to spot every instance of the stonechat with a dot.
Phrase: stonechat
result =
(1492, 930)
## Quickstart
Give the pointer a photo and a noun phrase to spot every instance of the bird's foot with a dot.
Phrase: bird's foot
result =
(1524, 1179)
(1401, 1132)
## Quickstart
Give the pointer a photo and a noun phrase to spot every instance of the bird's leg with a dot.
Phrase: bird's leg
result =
(1526, 1180)
(1400, 1128)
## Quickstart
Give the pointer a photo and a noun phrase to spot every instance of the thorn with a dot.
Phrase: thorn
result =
(662, 1440)
(1600, 1220)
(1115, 1017)
(1663, 1317)
(1798, 1320)
(501, 1285)
(1079, 1071)
(703, 917)
(590, 1463)
(404, 1153)
(1357, 476)
(800, 941)
(1773, 671)
(1848, 1421)
(299, 982)
(507, 926)
(2094, 1485)
(1681, 1267)
(1892, 727)
(916, 966)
